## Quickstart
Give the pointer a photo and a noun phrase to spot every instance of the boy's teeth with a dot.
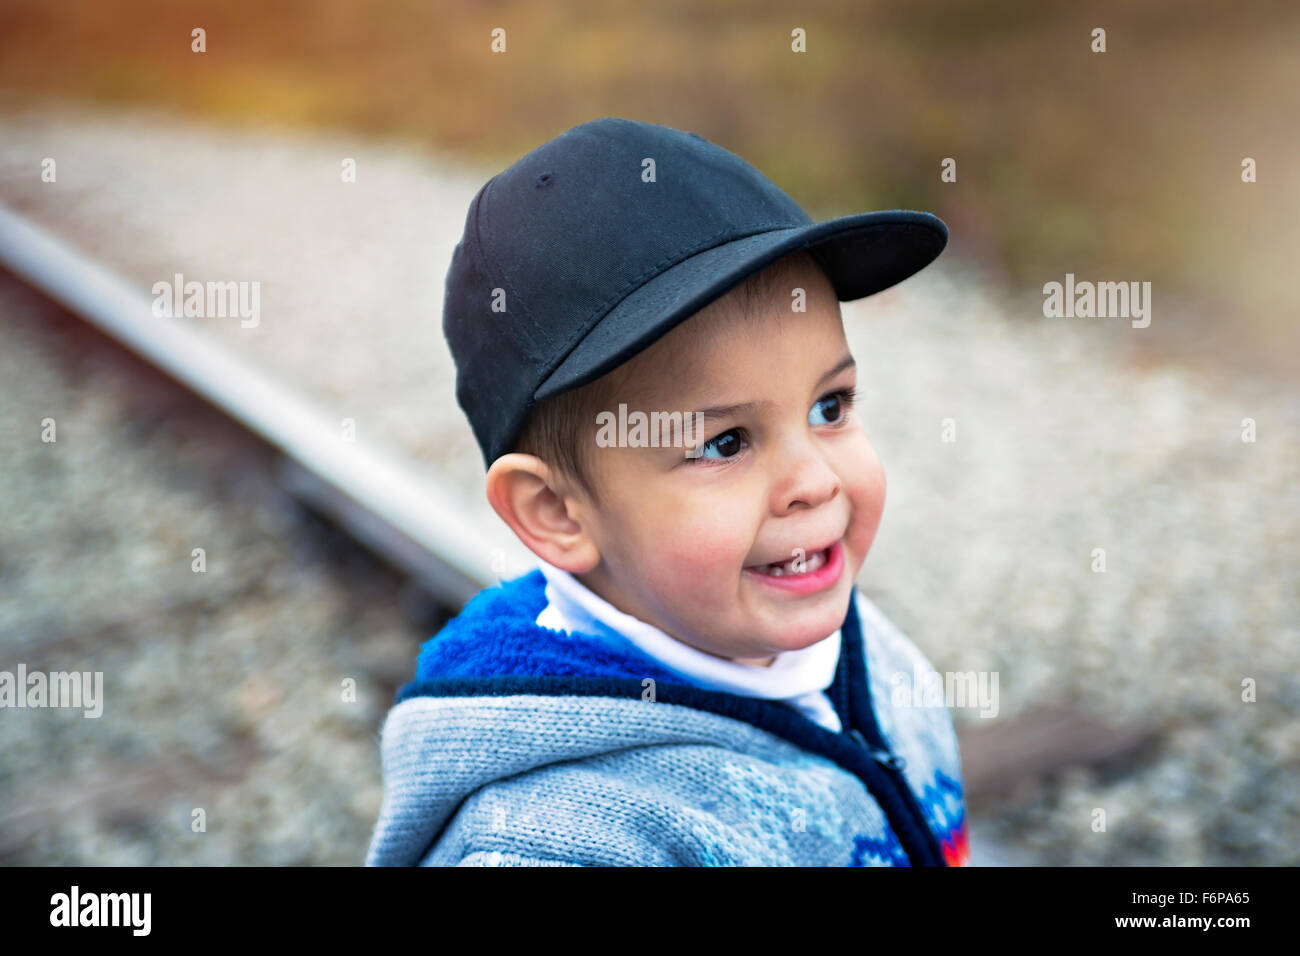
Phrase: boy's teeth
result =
(811, 563)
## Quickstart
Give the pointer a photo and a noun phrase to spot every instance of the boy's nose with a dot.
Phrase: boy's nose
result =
(803, 477)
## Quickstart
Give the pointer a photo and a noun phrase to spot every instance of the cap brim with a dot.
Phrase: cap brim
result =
(862, 254)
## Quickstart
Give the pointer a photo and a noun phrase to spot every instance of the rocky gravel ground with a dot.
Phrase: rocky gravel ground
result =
(224, 686)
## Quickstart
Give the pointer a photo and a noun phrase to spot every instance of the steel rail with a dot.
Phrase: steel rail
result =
(375, 495)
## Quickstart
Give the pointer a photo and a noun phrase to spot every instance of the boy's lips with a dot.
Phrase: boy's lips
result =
(820, 569)
(788, 555)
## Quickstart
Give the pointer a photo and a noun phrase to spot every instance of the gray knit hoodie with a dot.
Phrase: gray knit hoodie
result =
(519, 745)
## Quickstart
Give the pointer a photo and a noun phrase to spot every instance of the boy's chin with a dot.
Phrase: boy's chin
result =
(792, 628)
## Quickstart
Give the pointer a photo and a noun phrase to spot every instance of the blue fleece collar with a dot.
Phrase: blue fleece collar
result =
(496, 635)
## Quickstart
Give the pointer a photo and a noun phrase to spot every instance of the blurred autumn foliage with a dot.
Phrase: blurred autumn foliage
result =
(1123, 165)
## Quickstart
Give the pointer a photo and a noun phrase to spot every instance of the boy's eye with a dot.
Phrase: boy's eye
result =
(830, 409)
(727, 445)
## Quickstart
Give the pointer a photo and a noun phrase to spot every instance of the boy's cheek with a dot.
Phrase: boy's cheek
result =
(867, 493)
(708, 557)
(862, 536)
(694, 557)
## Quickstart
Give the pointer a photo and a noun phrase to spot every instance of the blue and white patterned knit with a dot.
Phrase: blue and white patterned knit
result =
(517, 745)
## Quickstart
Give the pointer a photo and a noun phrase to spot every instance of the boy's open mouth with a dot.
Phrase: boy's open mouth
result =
(812, 562)
(812, 572)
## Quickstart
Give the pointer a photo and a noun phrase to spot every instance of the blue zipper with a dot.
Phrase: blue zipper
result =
(859, 705)
(887, 757)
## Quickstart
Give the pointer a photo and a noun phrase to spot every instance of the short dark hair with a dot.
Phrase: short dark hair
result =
(556, 428)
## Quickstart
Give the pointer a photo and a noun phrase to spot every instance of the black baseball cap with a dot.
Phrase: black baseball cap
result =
(595, 244)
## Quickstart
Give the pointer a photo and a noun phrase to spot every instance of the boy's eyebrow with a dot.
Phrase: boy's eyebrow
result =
(727, 411)
(739, 408)
(847, 362)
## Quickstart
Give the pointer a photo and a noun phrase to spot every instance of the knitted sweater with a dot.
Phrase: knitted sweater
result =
(518, 745)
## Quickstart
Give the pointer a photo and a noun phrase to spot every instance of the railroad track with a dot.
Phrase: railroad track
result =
(377, 497)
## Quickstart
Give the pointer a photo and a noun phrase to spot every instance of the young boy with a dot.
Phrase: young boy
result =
(649, 348)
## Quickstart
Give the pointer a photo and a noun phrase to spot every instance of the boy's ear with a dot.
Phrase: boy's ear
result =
(523, 490)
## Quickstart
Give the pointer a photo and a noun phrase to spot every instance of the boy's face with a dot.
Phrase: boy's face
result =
(687, 544)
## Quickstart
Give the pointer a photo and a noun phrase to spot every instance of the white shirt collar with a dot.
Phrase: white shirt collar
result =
(572, 606)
